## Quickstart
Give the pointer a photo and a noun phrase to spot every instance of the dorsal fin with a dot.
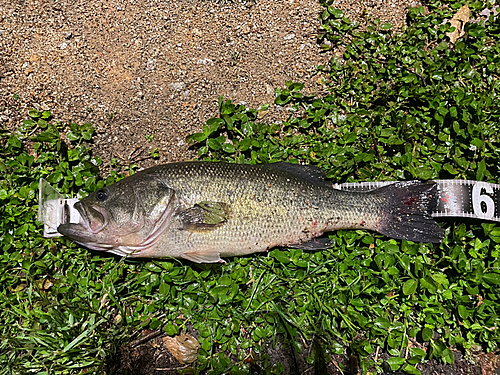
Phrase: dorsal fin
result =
(309, 172)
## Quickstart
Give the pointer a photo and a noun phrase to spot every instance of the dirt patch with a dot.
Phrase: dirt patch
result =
(148, 69)
(147, 73)
(152, 357)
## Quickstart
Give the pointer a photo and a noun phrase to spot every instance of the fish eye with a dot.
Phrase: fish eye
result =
(102, 195)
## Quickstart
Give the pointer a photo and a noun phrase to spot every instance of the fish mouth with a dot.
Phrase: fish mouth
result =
(92, 221)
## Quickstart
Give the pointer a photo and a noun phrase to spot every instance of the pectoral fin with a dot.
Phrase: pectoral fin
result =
(204, 215)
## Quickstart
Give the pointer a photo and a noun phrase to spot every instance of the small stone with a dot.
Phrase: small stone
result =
(205, 61)
(150, 65)
(67, 35)
(178, 86)
(289, 36)
(63, 45)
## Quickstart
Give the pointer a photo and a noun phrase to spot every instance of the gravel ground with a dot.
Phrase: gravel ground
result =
(136, 68)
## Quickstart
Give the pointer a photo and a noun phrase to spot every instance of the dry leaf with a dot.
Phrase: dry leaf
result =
(489, 363)
(488, 12)
(262, 114)
(183, 347)
(458, 21)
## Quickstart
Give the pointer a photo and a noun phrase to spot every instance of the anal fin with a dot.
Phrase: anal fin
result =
(319, 243)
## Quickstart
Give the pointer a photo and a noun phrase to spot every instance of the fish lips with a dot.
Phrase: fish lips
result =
(92, 221)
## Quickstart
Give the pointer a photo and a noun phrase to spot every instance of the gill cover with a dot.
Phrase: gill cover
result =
(125, 217)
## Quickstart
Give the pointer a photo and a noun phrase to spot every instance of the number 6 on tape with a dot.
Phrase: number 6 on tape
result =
(478, 198)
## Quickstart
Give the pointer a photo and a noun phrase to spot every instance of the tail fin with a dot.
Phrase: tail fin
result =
(407, 213)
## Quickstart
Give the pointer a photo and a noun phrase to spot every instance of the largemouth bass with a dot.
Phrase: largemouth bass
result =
(202, 211)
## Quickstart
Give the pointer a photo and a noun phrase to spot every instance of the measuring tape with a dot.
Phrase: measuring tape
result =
(54, 210)
(457, 198)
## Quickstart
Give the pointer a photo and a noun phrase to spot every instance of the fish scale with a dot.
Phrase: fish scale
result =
(203, 211)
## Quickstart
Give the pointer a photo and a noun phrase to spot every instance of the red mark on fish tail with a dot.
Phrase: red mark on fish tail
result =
(445, 197)
(410, 201)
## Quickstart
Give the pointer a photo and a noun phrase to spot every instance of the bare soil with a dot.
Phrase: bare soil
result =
(153, 358)
(147, 73)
